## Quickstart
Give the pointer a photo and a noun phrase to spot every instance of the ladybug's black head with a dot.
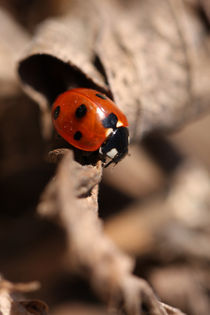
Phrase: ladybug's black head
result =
(116, 145)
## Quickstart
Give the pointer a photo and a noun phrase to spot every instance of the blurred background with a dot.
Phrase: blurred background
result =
(155, 204)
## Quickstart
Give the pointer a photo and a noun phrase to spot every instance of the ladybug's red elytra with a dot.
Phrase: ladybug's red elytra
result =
(90, 121)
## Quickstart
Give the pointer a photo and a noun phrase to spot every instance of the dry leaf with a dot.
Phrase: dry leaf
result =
(11, 35)
(137, 54)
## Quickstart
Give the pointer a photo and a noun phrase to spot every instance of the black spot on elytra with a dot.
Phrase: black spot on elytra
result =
(81, 111)
(110, 121)
(103, 97)
(77, 135)
(56, 112)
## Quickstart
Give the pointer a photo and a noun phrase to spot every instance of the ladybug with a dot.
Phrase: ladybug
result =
(90, 121)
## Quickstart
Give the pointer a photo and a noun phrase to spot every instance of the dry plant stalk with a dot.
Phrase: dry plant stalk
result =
(73, 200)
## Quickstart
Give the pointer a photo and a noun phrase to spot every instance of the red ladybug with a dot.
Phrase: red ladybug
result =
(90, 121)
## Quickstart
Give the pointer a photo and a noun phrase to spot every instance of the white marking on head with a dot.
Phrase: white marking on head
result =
(112, 153)
(108, 132)
(119, 124)
(100, 151)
